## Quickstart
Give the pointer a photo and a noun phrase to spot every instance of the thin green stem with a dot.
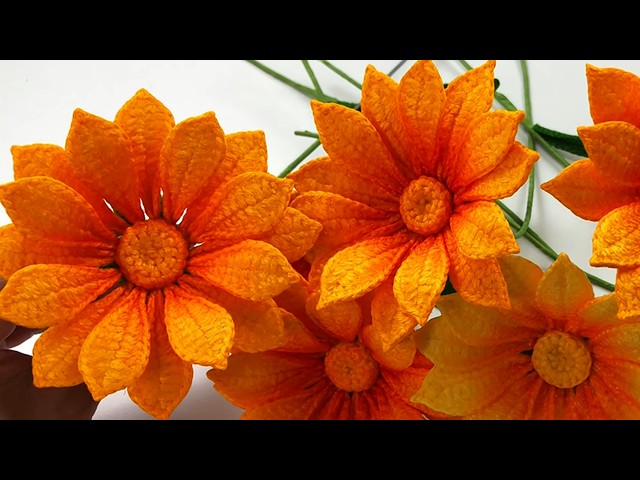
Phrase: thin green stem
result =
(335, 69)
(293, 165)
(532, 143)
(312, 76)
(306, 133)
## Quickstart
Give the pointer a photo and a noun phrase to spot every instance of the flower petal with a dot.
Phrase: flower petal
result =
(509, 405)
(563, 290)
(100, 155)
(598, 314)
(398, 357)
(621, 342)
(522, 277)
(167, 378)
(590, 195)
(342, 320)
(421, 278)
(616, 238)
(357, 269)
(57, 349)
(248, 205)
(39, 296)
(353, 144)
(627, 292)
(421, 100)
(34, 160)
(116, 351)
(390, 323)
(251, 269)
(199, 330)
(381, 403)
(612, 95)
(299, 338)
(504, 180)
(147, 122)
(611, 394)
(42, 207)
(614, 147)
(293, 234)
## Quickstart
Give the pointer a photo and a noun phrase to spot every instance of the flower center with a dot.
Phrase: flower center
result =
(351, 367)
(425, 206)
(152, 254)
(561, 359)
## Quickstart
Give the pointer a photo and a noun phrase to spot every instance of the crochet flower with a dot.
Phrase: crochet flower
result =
(557, 353)
(605, 187)
(317, 375)
(407, 192)
(144, 247)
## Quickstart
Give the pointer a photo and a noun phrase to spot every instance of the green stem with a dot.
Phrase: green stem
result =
(306, 133)
(312, 76)
(532, 144)
(335, 69)
(293, 165)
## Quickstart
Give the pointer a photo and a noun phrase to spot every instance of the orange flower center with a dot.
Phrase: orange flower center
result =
(425, 206)
(351, 367)
(152, 254)
(561, 359)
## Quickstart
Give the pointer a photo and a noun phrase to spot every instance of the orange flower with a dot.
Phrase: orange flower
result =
(144, 247)
(407, 191)
(605, 187)
(557, 353)
(317, 375)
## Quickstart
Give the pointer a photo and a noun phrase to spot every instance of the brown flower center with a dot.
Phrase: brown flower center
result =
(152, 254)
(561, 359)
(425, 206)
(351, 367)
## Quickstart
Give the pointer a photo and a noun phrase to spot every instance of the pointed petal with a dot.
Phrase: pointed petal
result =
(616, 238)
(354, 144)
(482, 232)
(199, 330)
(57, 349)
(167, 378)
(147, 123)
(398, 357)
(598, 314)
(621, 342)
(116, 351)
(342, 320)
(522, 277)
(100, 155)
(612, 95)
(589, 194)
(41, 207)
(293, 234)
(34, 160)
(627, 292)
(614, 147)
(390, 323)
(504, 180)
(563, 290)
(299, 338)
(39, 296)
(357, 269)
(421, 278)
(421, 100)
(251, 269)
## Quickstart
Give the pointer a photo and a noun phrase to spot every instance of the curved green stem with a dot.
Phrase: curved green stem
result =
(532, 144)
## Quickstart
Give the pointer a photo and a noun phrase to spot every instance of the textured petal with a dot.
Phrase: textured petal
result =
(353, 144)
(57, 349)
(320, 174)
(299, 338)
(390, 323)
(380, 403)
(147, 123)
(189, 158)
(342, 320)
(478, 281)
(357, 269)
(509, 405)
(116, 351)
(251, 269)
(293, 234)
(405, 382)
(100, 155)
(624, 376)
(199, 330)
(522, 277)
(39, 296)
(598, 314)
(248, 205)
(616, 238)
(590, 195)
(563, 290)
(397, 358)
(167, 378)
(627, 292)
(481, 231)
(614, 147)
(504, 180)
(610, 396)
(620, 342)
(41, 207)
(489, 139)
(421, 278)
(421, 100)
(34, 160)
(613, 95)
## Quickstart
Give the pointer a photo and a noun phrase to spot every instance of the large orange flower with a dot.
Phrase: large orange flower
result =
(407, 191)
(144, 247)
(333, 367)
(557, 353)
(605, 187)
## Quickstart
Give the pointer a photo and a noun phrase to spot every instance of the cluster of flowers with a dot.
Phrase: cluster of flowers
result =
(145, 247)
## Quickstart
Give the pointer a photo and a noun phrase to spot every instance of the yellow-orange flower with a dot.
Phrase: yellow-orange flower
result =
(557, 353)
(144, 247)
(407, 191)
(605, 187)
(340, 372)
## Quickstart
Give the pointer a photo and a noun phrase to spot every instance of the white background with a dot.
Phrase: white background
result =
(37, 99)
